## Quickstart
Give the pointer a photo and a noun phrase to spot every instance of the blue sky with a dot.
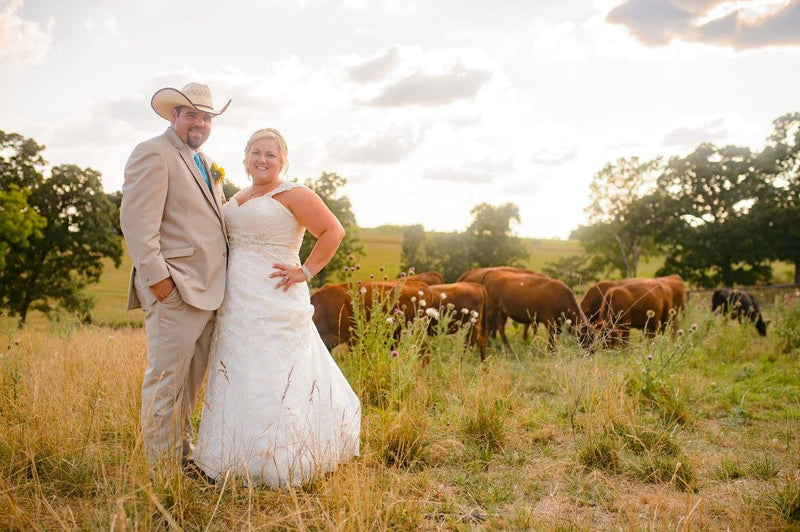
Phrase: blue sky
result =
(426, 107)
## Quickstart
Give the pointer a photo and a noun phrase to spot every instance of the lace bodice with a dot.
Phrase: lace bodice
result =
(263, 221)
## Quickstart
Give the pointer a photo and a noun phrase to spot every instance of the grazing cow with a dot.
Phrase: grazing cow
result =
(429, 278)
(536, 299)
(471, 297)
(478, 275)
(739, 304)
(637, 304)
(593, 298)
(333, 306)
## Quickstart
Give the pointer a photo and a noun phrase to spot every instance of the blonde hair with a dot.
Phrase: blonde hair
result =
(269, 133)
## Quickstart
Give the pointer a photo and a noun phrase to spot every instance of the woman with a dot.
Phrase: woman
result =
(277, 408)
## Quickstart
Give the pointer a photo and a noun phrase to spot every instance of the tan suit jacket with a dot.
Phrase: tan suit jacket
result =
(173, 224)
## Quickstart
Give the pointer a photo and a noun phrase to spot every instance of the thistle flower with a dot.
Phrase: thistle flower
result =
(381, 269)
(649, 357)
(464, 311)
(413, 299)
(412, 270)
(693, 327)
(679, 332)
(422, 302)
(363, 289)
(372, 276)
(672, 312)
(473, 320)
(390, 320)
(443, 295)
(568, 321)
(346, 269)
(420, 293)
(474, 314)
(394, 354)
(385, 277)
(432, 313)
(450, 306)
(402, 275)
(651, 313)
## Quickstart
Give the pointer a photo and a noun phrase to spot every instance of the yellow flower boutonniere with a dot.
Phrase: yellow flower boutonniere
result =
(217, 173)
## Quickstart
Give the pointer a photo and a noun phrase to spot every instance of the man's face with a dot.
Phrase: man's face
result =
(192, 126)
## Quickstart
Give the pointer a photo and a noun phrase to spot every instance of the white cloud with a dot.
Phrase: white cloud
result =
(375, 68)
(22, 42)
(104, 26)
(690, 136)
(555, 157)
(739, 24)
(418, 88)
(392, 144)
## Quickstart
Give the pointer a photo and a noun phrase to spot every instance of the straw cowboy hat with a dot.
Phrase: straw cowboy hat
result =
(196, 95)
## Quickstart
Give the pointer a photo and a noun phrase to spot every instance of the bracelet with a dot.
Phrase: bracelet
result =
(306, 272)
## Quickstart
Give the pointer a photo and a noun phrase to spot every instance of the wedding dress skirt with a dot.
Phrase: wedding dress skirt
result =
(277, 408)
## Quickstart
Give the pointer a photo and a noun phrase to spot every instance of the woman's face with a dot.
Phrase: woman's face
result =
(264, 162)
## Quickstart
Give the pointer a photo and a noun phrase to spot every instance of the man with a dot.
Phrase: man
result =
(171, 217)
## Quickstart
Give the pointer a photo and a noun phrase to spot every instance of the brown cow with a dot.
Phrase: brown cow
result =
(478, 275)
(429, 278)
(593, 298)
(471, 297)
(637, 304)
(333, 305)
(536, 299)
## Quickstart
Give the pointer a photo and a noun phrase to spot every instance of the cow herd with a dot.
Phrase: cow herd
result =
(485, 298)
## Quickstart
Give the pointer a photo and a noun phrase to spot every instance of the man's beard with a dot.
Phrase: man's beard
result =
(194, 142)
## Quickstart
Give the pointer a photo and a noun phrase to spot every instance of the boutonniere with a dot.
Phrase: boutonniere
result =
(217, 173)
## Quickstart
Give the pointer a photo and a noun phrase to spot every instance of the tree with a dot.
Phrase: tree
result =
(54, 265)
(327, 187)
(708, 194)
(777, 212)
(489, 236)
(18, 221)
(621, 227)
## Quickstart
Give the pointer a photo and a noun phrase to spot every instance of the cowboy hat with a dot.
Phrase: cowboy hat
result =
(196, 95)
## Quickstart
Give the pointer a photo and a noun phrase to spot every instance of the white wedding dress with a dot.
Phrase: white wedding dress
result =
(277, 408)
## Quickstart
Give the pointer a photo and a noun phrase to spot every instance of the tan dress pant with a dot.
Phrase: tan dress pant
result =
(178, 341)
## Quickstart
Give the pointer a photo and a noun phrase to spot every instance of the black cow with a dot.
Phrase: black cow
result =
(739, 304)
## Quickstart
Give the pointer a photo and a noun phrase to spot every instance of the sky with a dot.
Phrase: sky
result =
(427, 107)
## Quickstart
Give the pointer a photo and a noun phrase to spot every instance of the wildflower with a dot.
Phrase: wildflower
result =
(443, 295)
(394, 354)
(672, 312)
(413, 299)
(351, 258)
(679, 332)
(381, 269)
(473, 320)
(649, 357)
(357, 267)
(385, 277)
(422, 302)
(420, 293)
(346, 269)
(464, 311)
(363, 289)
(568, 321)
(693, 327)
(474, 314)
(390, 320)
(450, 306)
(412, 269)
(372, 276)
(402, 274)
(432, 313)
(651, 313)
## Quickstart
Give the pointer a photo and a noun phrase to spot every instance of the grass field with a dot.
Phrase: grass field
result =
(693, 432)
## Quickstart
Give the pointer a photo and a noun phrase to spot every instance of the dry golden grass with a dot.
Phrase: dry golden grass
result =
(527, 440)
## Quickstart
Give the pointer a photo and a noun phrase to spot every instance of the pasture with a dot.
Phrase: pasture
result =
(698, 431)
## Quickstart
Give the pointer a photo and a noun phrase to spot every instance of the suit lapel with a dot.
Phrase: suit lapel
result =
(188, 159)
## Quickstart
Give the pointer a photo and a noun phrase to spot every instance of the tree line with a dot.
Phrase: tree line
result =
(719, 215)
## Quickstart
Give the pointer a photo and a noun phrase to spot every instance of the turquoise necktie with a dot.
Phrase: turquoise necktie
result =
(199, 164)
